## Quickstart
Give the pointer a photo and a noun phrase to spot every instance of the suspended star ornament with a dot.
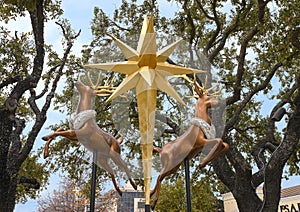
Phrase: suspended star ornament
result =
(146, 70)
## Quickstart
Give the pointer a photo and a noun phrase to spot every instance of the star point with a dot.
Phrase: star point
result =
(145, 60)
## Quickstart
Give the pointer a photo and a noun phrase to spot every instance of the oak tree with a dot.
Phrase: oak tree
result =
(254, 48)
(27, 61)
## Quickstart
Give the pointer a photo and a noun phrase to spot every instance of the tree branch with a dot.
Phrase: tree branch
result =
(19, 125)
(10, 80)
(251, 93)
(240, 70)
(190, 20)
(217, 22)
(228, 30)
(47, 82)
(273, 171)
(295, 37)
(41, 117)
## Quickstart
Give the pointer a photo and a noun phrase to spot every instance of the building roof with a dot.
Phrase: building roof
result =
(128, 188)
(291, 191)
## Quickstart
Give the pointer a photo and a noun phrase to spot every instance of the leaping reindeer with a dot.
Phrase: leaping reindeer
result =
(201, 133)
(85, 130)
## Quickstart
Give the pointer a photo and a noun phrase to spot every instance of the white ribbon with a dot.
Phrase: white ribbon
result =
(76, 121)
(208, 130)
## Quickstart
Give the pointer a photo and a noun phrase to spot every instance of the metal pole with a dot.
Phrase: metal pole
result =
(187, 185)
(93, 187)
(147, 208)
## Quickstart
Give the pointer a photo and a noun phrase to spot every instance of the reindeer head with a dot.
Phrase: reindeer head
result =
(203, 97)
(83, 89)
(202, 94)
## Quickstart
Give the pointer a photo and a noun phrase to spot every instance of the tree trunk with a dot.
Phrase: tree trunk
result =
(274, 169)
(11, 199)
(247, 200)
(6, 125)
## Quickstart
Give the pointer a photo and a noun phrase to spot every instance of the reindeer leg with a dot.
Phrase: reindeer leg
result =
(115, 184)
(51, 137)
(157, 190)
(160, 178)
(103, 163)
(70, 134)
(224, 147)
(121, 163)
(216, 149)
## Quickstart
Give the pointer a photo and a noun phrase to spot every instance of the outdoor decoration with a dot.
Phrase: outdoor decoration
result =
(83, 128)
(200, 134)
(146, 71)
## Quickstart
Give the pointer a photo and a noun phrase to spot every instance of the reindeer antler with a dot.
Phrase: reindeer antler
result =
(94, 86)
(101, 90)
(199, 90)
(106, 89)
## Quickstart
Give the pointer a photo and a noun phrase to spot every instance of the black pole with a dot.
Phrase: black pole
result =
(93, 187)
(147, 208)
(187, 185)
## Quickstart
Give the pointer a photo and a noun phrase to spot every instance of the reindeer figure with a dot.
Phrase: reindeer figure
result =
(85, 130)
(201, 133)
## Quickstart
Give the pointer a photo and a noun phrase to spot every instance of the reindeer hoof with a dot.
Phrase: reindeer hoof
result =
(201, 165)
(45, 138)
(46, 152)
(153, 206)
(46, 155)
(133, 184)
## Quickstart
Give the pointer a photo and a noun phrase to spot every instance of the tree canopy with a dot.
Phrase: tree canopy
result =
(254, 48)
(26, 61)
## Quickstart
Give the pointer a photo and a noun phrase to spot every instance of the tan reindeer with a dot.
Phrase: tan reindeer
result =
(85, 130)
(200, 134)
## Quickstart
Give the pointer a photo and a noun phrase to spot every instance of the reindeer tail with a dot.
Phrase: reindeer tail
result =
(156, 149)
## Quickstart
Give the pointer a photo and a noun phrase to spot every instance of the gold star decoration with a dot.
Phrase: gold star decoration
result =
(146, 70)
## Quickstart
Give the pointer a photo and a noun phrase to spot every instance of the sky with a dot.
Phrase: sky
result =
(80, 13)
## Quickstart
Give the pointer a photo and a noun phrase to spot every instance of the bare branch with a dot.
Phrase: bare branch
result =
(118, 26)
(190, 21)
(248, 97)
(205, 12)
(19, 125)
(41, 117)
(240, 70)
(47, 82)
(32, 103)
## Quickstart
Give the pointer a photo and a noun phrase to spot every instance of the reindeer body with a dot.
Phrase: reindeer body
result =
(190, 144)
(85, 130)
